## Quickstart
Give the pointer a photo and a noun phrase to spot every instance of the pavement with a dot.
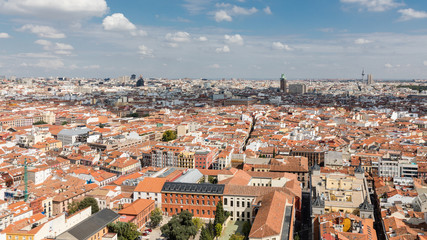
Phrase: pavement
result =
(231, 228)
(156, 233)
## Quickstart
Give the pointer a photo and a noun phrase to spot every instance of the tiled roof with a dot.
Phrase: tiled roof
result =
(149, 184)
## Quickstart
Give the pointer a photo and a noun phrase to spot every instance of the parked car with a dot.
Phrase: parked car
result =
(148, 230)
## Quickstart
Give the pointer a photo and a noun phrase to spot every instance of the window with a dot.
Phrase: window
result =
(237, 204)
(248, 215)
(203, 212)
(209, 212)
(249, 204)
(203, 202)
(208, 203)
(181, 201)
(197, 211)
(238, 214)
(243, 204)
(186, 201)
(225, 201)
(231, 203)
(213, 203)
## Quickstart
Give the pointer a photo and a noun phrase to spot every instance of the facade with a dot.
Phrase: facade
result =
(199, 199)
(165, 156)
(138, 212)
(70, 136)
(283, 84)
(186, 160)
(297, 89)
(204, 159)
(313, 155)
(150, 188)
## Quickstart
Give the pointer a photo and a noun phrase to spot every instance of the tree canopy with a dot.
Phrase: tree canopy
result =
(86, 202)
(125, 231)
(156, 217)
(169, 135)
(180, 227)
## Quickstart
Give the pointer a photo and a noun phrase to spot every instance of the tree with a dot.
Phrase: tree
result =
(198, 223)
(64, 123)
(296, 237)
(125, 231)
(73, 207)
(41, 122)
(156, 217)
(219, 214)
(169, 135)
(101, 125)
(133, 115)
(246, 229)
(89, 201)
(205, 234)
(274, 152)
(180, 227)
(237, 236)
(218, 229)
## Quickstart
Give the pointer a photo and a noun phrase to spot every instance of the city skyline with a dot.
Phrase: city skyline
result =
(214, 39)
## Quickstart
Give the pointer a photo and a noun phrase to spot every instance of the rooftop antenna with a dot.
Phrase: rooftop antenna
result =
(363, 74)
(25, 179)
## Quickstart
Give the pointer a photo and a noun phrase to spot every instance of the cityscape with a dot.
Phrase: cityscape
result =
(196, 119)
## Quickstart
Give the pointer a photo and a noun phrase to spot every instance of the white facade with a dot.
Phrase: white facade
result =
(157, 197)
(38, 176)
(239, 207)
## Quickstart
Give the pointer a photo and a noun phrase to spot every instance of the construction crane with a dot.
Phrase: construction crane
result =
(25, 179)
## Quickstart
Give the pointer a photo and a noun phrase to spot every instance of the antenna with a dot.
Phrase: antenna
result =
(25, 179)
(363, 74)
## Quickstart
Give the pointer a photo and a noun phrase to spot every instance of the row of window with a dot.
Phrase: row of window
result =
(248, 204)
(191, 210)
(192, 202)
(192, 196)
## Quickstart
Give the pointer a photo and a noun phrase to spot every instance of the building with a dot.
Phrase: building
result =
(140, 82)
(165, 156)
(313, 155)
(370, 80)
(297, 89)
(137, 212)
(283, 84)
(93, 228)
(186, 159)
(275, 217)
(70, 136)
(199, 199)
(150, 188)
(203, 159)
(338, 192)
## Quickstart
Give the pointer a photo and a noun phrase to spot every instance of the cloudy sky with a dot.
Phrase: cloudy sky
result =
(251, 39)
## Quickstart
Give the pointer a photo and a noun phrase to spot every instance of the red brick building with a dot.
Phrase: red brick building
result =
(204, 159)
(137, 212)
(198, 199)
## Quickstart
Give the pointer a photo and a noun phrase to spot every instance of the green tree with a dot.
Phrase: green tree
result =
(274, 152)
(133, 115)
(296, 237)
(198, 223)
(89, 201)
(64, 123)
(40, 122)
(156, 217)
(205, 234)
(125, 231)
(73, 207)
(219, 214)
(246, 229)
(237, 236)
(218, 229)
(169, 135)
(101, 125)
(211, 228)
(180, 227)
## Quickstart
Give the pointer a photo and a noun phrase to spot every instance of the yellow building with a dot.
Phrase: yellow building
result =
(186, 159)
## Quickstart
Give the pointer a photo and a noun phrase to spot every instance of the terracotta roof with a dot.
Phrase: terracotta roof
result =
(149, 184)
(136, 207)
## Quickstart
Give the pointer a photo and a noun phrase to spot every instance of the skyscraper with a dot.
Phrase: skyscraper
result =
(140, 82)
(283, 84)
(370, 81)
(133, 77)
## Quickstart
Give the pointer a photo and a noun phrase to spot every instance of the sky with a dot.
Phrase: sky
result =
(251, 39)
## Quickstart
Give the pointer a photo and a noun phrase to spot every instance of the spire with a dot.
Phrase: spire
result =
(366, 205)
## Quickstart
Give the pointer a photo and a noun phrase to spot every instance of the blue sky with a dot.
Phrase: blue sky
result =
(251, 39)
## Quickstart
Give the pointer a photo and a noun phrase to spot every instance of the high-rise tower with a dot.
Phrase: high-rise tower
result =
(370, 81)
(283, 84)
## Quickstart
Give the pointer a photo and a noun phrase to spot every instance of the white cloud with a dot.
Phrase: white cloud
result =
(409, 14)
(4, 35)
(235, 39)
(216, 65)
(96, 66)
(267, 10)
(236, 10)
(281, 46)
(202, 39)
(144, 51)
(224, 49)
(425, 63)
(388, 65)
(58, 48)
(55, 8)
(178, 37)
(375, 5)
(222, 16)
(361, 41)
(42, 31)
(117, 22)
(47, 63)
(196, 6)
